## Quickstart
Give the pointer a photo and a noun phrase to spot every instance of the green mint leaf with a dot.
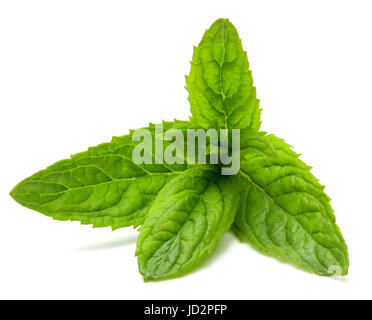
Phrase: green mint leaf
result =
(185, 223)
(284, 212)
(220, 85)
(101, 186)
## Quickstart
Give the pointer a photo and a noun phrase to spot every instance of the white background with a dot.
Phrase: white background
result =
(74, 73)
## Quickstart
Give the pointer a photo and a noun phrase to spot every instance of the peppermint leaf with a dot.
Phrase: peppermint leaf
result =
(220, 85)
(101, 186)
(185, 223)
(285, 213)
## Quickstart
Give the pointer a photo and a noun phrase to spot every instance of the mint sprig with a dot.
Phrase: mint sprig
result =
(273, 202)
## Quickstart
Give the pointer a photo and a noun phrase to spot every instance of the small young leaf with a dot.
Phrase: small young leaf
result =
(185, 222)
(101, 186)
(285, 213)
(220, 85)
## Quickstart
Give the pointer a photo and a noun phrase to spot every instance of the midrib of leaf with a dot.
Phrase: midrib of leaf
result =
(98, 184)
(221, 65)
(244, 209)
